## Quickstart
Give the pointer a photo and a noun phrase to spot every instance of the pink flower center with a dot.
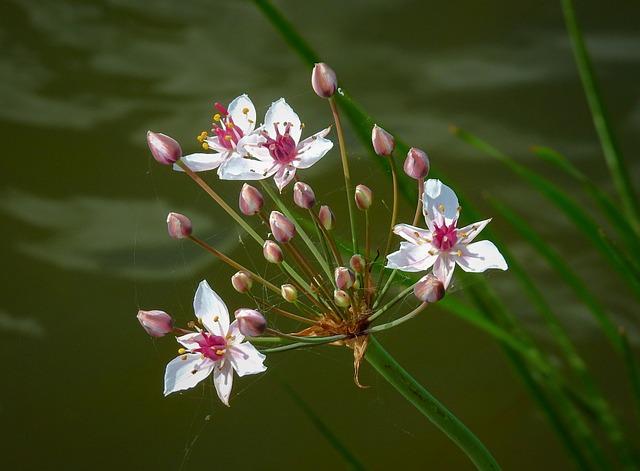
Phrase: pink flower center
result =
(283, 147)
(445, 237)
(211, 346)
(227, 132)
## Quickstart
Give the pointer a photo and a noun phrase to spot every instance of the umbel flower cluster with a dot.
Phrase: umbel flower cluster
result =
(336, 293)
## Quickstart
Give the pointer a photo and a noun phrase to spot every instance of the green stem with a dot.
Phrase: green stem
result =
(429, 406)
(391, 303)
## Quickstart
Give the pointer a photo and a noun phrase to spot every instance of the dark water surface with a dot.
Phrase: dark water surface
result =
(84, 241)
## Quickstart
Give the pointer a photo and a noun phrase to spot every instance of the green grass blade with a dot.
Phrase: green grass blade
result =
(567, 205)
(612, 154)
(349, 458)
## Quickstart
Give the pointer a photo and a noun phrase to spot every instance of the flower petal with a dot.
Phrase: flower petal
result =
(184, 374)
(245, 121)
(202, 162)
(443, 268)
(412, 258)
(284, 175)
(246, 360)
(234, 333)
(189, 341)
(223, 381)
(481, 256)
(211, 310)
(280, 113)
(312, 149)
(242, 168)
(467, 233)
(440, 203)
(411, 233)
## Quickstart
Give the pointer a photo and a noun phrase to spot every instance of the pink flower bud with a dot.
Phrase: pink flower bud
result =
(303, 195)
(250, 322)
(357, 263)
(272, 252)
(156, 323)
(341, 298)
(178, 226)
(327, 219)
(282, 228)
(242, 282)
(289, 293)
(416, 165)
(344, 277)
(364, 197)
(164, 149)
(383, 143)
(323, 80)
(250, 200)
(429, 289)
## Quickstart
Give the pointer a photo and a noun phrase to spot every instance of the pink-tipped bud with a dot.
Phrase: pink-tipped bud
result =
(250, 322)
(327, 219)
(282, 228)
(242, 282)
(416, 165)
(272, 252)
(344, 277)
(164, 149)
(429, 289)
(289, 293)
(341, 298)
(383, 142)
(156, 323)
(363, 197)
(357, 263)
(323, 80)
(179, 226)
(250, 200)
(303, 195)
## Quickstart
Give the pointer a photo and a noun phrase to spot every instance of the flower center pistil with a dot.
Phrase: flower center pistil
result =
(283, 147)
(211, 346)
(445, 237)
(225, 130)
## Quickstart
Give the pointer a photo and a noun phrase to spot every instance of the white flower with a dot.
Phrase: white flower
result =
(217, 349)
(443, 245)
(231, 126)
(276, 150)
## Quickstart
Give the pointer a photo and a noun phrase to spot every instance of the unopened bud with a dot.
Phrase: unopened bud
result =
(416, 165)
(156, 323)
(364, 197)
(272, 252)
(344, 277)
(289, 293)
(179, 226)
(303, 195)
(282, 228)
(357, 263)
(242, 282)
(164, 149)
(429, 289)
(341, 298)
(323, 80)
(250, 322)
(327, 219)
(383, 143)
(250, 200)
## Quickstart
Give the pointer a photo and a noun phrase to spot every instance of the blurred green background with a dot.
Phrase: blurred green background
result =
(84, 242)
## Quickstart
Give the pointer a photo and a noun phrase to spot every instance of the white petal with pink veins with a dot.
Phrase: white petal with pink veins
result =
(234, 332)
(467, 233)
(185, 374)
(211, 310)
(189, 341)
(245, 121)
(443, 268)
(246, 360)
(411, 257)
(440, 203)
(280, 113)
(312, 151)
(242, 168)
(284, 175)
(481, 256)
(223, 381)
(411, 233)
(201, 162)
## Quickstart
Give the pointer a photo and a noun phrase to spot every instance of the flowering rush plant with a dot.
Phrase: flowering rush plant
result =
(334, 292)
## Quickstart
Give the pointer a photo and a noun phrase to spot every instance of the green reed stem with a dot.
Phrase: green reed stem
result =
(391, 303)
(429, 406)
(347, 174)
(416, 217)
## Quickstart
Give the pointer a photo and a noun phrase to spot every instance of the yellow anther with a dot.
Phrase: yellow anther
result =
(182, 351)
(227, 138)
(229, 125)
(200, 138)
(205, 145)
(459, 253)
(441, 208)
(215, 318)
(245, 110)
(301, 125)
(220, 352)
(216, 117)
(183, 358)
